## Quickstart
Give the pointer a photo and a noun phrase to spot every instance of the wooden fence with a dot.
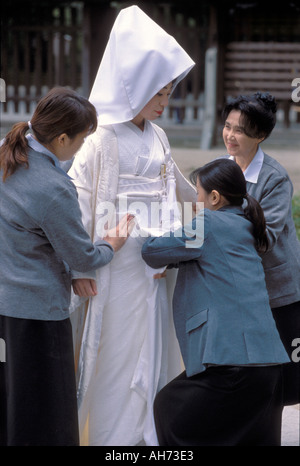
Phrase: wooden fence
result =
(39, 56)
(265, 66)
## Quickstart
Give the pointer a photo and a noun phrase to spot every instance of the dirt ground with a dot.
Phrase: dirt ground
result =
(189, 158)
(283, 145)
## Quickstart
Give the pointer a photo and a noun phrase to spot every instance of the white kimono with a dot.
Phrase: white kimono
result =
(129, 349)
(125, 344)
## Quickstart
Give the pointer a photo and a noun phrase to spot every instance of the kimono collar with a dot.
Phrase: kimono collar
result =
(139, 60)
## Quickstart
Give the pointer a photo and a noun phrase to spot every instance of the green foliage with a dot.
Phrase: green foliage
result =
(296, 212)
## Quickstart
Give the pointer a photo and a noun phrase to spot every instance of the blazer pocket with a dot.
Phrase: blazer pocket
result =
(280, 281)
(196, 334)
(196, 320)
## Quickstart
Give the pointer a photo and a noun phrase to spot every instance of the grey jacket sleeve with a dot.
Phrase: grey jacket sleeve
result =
(276, 204)
(64, 229)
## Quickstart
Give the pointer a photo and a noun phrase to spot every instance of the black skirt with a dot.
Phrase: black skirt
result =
(222, 406)
(287, 320)
(38, 404)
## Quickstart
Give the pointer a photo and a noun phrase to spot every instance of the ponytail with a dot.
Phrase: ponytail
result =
(226, 177)
(255, 214)
(60, 111)
(14, 150)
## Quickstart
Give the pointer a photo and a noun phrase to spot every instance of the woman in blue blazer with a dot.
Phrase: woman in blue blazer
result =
(41, 238)
(230, 391)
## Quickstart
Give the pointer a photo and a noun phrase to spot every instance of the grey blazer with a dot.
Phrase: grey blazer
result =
(274, 191)
(41, 238)
(221, 305)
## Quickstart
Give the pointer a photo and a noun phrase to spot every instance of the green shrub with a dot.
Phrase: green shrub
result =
(296, 212)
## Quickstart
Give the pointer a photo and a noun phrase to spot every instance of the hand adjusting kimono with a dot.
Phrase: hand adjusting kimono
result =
(125, 341)
(230, 391)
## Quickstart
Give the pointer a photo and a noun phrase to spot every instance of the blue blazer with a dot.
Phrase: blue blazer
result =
(41, 238)
(221, 305)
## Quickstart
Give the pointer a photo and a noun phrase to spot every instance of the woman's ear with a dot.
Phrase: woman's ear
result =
(215, 198)
(61, 139)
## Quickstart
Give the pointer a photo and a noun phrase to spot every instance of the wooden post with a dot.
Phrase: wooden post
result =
(86, 53)
(97, 23)
(210, 99)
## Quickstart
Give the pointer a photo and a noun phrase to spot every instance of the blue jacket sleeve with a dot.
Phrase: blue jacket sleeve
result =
(180, 246)
(64, 229)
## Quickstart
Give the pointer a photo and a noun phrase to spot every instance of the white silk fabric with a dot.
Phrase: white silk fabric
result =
(139, 60)
(137, 329)
(96, 175)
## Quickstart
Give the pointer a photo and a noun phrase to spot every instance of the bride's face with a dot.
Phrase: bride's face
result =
(155, 107)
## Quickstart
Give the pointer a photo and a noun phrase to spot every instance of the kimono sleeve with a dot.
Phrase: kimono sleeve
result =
(82, 173)
(186, 192)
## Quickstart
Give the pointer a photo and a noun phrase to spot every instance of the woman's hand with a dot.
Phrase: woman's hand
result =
(84, 287)
(117, 237)
(160, 275)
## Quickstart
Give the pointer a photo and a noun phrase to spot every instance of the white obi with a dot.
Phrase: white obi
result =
(143, 186)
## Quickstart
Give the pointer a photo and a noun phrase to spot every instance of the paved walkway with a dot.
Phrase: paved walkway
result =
(191, 158)
(283, 145)
(290, 436)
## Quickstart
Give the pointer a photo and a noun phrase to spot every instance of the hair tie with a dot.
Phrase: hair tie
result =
(246, 196)
(29, 125)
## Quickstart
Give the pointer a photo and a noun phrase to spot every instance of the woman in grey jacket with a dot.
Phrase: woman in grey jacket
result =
(229, 393)
(41, 238)
(249, 120)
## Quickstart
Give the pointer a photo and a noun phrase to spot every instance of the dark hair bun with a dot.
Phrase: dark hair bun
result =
(267, 100)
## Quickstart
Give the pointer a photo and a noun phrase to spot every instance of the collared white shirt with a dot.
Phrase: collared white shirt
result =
(252, 171)
(38, 147)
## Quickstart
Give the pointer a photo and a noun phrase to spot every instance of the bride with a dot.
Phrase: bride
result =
(124, 338)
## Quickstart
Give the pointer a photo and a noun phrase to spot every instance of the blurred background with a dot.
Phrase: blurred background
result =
(239, 46)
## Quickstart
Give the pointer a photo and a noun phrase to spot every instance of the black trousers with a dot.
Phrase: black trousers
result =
(287, 320)
(37, 384)
(222, 406)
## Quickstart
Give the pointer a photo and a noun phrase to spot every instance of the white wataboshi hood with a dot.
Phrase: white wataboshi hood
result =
(140, 59)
